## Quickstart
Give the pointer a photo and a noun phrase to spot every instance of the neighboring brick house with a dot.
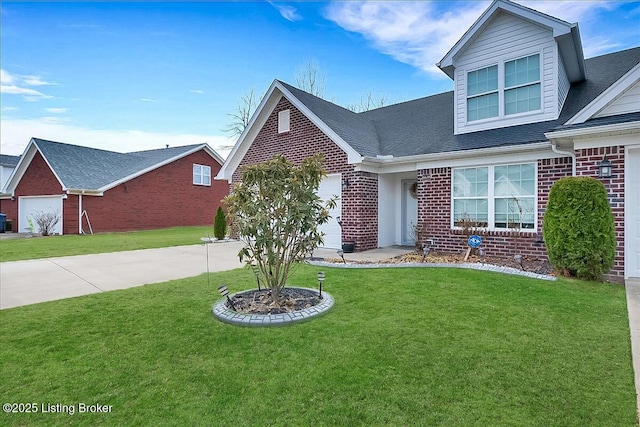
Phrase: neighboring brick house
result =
(113, 191)
(526, 110)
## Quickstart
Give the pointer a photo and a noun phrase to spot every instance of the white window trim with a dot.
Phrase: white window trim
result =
(491, 198)
(501, 90)
(201, 175)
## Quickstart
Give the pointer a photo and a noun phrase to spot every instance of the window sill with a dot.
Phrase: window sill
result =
(527, 234)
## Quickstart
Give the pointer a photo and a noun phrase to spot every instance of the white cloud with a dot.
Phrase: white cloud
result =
(149, 100)
(36, 81)
(10, 108)
(27, 92)
(16, 133)
(416, 33)
(15, 84)
(289, 13)
(56, 110)
(6, 78)
(196, 91)
(421, 33)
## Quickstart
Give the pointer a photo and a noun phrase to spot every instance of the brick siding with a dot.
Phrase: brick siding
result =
(587, 162)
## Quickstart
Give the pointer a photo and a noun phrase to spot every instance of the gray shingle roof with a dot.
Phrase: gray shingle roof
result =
(425, 125)
(91, 169)
(356, 130)
(7, 160)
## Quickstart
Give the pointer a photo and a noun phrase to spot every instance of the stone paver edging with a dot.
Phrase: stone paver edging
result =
(226, 315)
(471, 266)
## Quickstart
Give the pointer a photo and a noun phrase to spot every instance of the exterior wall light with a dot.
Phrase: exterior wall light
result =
(605, 168)
(345, 184)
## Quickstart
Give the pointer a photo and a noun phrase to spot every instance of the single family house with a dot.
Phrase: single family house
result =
(527, 109)
(99, 190)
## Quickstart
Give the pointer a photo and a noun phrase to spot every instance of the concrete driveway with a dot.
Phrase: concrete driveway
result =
(49, 279)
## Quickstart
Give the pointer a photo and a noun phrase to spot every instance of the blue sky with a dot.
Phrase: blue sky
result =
(134, 76)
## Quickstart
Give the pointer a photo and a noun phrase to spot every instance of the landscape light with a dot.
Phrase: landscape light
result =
(320, 281)
(225, 293)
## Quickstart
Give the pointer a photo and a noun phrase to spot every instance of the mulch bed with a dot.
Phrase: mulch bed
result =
(259, 302)
(539, 265)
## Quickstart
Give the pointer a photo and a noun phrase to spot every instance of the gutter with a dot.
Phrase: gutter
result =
(481, 152)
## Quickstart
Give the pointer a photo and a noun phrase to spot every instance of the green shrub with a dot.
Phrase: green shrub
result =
(220, 224)
(579, 229)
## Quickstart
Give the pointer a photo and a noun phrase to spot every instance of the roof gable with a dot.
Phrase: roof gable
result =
(566, 35)
(607, 97)
(342, 126)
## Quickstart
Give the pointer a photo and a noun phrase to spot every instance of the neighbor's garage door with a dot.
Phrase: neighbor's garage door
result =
(632, 206)
(28, 207)
(331, 186)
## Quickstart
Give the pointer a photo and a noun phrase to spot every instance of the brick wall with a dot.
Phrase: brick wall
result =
(359, 200)
(434, 212)
(164, 197)
(587, 162)
(360, 210)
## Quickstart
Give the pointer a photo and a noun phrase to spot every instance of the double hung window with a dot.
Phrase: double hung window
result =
(504, 89)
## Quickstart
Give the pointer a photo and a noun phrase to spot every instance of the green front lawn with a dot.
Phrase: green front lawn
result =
(53, 246)
(400, 347)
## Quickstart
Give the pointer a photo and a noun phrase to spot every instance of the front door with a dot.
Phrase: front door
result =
(409, 212)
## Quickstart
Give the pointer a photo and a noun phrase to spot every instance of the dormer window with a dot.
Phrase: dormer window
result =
(522, 85)
(482, 93)
(510, 87)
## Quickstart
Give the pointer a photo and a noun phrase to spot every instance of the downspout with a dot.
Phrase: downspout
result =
(80, 213)
(566, 153)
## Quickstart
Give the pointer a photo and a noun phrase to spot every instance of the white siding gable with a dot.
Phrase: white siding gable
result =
(628, 102)
(506, 38)
(563, 84)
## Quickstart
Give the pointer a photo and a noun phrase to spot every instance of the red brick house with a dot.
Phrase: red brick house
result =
(115, 191)
(526, 109)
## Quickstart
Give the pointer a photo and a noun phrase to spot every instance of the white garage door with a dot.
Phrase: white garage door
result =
(632, 210)
(331, 186)
(28, 207)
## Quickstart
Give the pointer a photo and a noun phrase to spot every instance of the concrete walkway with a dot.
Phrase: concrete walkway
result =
(49, 279)
(632, 287)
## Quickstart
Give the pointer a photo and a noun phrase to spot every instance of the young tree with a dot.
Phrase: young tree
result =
(275, 211)
(220, 224)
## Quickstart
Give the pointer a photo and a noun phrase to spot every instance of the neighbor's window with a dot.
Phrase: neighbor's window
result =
(504, 89)
(284, 124)
(201, 174)
(495, 197)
